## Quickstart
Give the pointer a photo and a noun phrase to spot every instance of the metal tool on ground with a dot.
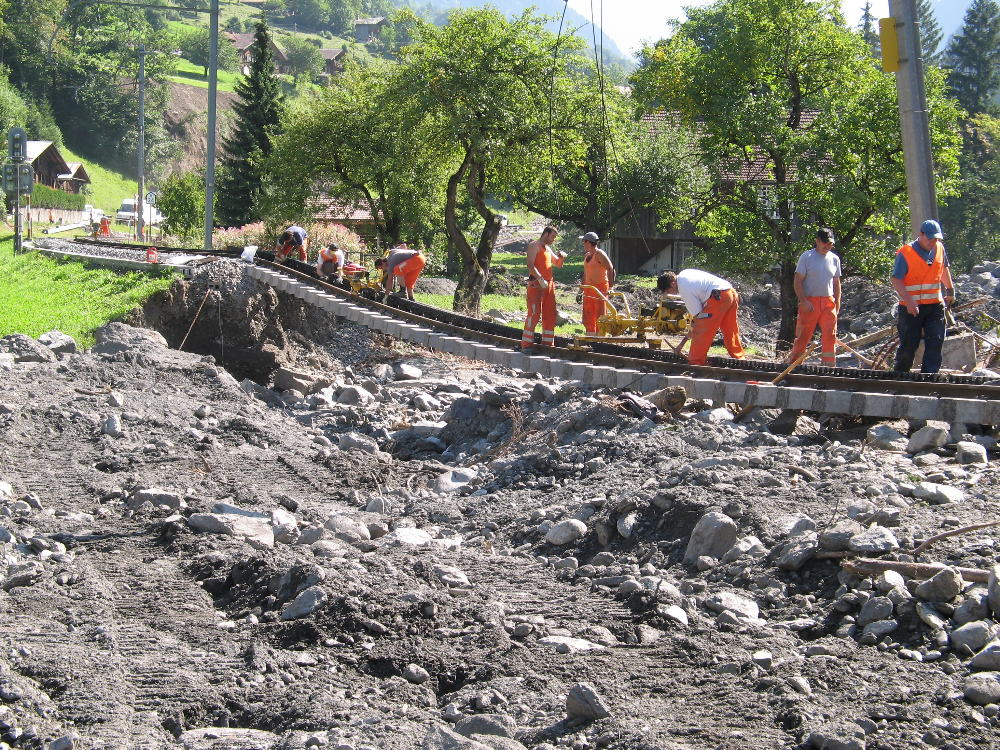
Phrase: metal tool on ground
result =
(784, 373)
(861, 357)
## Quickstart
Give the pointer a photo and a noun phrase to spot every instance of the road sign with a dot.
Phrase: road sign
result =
(17, 144)
(150, 198)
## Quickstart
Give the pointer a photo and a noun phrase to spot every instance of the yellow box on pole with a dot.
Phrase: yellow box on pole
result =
(889, 41)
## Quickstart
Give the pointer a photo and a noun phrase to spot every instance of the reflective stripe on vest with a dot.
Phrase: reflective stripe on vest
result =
(923, 280)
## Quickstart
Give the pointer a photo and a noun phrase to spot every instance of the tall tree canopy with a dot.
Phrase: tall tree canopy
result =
(930, 32)
(974, 57)
(245, 150)
(801, 127)
(350, 146)
(483, 82)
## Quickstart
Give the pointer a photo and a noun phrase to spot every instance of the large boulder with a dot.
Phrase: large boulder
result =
(566, 532)
(58, 342)
(256, 531)
(713, 536)
(583, 702)
(983, 689)
(943, 587)
(286, 379)
(968, 452)
(927, 437)
(113, 338)
(25, 349)
(309, 601)
(884, 437)
(938, 494)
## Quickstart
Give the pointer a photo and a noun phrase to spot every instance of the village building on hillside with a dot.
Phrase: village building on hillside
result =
(355, 217)
(51, 169)
(74, 180)
(638, 245)
(333, 61)
(244, 45)
(367, 29)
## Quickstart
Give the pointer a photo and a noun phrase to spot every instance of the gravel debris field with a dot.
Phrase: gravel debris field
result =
(296, 533)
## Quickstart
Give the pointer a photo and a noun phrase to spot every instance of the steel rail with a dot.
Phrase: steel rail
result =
(734, 374)
(866, 381)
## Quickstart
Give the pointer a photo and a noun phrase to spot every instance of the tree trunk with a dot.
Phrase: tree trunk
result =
(472, 275)
(469, 294)
(789, 305)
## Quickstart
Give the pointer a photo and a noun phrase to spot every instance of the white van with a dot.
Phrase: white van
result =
(127, 213)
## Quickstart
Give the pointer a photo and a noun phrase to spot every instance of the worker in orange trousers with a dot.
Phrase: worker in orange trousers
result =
(599, 273)
(713, 303)
(817, 285)
(541, 289)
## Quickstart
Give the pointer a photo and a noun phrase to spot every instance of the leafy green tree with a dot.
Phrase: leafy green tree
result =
(974, 57)
(343, 13)
(930, 32)
(972, 219)
(310, 14)
(195, 46)
(604, 163)
(869, 31)
(347, 147)
(802, 129)
(244, 151)
(13, 110)
(304, 57)
(483, 81)
(182, 201)
(234, 25)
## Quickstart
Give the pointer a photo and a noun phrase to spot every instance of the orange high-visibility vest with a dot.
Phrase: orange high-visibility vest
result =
(923, 281)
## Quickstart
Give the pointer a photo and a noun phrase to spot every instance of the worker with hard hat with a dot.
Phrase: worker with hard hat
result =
(919, 276)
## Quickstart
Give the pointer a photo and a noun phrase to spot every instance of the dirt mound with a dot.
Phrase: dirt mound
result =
(433, 285)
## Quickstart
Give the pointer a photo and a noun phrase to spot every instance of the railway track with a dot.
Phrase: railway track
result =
(949, 397)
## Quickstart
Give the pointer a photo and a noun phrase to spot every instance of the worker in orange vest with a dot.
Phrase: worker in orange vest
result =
(918, 275)
(541, 289)
(599, 273)
(713, 303)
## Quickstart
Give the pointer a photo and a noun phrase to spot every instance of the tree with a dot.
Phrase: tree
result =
(483, 82)
(351, 147)
(310, 14)
(930, 32)
(13, 110)
(343, 13)
(234, 25)
(182, 201)
(195, 46)
(974, 57)
(802, 129)
(257, 114)
(604, 163)
(869, 31)
(972, 219)
(304, 57)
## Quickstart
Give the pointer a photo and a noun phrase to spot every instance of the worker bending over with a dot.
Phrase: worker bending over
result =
(920, 270)
(404, 263)
(817, 285)
(541, 289)
(330, 261)
(292, 240)
(599, 273)
(713, 304)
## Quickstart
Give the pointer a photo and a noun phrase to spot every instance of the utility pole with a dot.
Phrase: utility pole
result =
(213, 78)
(913, 115)
(140, 219)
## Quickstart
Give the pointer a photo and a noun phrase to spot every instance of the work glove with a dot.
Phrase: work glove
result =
(579, 298)
(543, 284)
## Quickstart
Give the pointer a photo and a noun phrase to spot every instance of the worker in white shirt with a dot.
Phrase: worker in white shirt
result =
(713, 304)
(329, 261)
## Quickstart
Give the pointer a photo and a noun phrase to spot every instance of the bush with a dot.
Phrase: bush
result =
(323, 233)
(46, 197)
(251, 234)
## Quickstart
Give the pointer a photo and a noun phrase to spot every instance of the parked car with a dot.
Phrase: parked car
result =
(128, 215)
(93, 215)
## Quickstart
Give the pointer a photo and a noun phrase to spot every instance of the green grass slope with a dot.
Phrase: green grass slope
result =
(39, 294)
(108, 187)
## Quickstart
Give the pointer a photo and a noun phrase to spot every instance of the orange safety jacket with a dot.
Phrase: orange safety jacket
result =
(923, 281)
(543, 263)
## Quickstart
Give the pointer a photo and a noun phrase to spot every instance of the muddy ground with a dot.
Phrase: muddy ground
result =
(400, 549)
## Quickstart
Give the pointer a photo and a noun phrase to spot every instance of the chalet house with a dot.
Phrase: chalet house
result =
(48, 163)
(74, 180)
(333, 61)
(244, 45)
(356, 217)
(367, 29)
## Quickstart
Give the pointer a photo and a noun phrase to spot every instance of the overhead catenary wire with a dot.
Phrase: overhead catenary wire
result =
(552, 87)
(608, 136)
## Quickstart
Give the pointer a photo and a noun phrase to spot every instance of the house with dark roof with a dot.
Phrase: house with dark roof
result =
(49, 164)
(356, 216)
(244, 45)
(367, 29)
(333, 61)
(74, 180)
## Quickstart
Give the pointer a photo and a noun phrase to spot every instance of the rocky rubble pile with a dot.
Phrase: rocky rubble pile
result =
(427, 552)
